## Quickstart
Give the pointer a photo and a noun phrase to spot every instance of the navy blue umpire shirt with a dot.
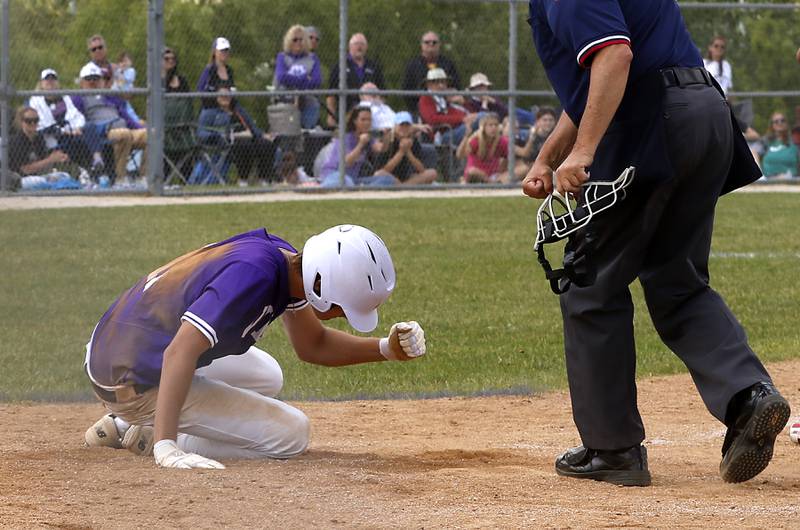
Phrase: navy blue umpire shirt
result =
(568, 33)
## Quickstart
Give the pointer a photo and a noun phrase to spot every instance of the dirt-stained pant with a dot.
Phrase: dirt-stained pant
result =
(230, 411)
(124, 141)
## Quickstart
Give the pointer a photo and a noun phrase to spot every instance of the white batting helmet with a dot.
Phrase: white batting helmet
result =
(354, 270)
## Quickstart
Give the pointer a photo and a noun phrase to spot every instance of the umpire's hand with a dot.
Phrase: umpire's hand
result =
(571, 174)
(538, 183)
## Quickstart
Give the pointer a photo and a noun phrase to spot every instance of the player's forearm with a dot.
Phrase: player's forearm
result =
(337, 348)
(178, 366)
(416, 163)
(392, 163)
(609, 77)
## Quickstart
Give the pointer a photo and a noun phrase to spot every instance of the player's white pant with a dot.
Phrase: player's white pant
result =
(230, 411)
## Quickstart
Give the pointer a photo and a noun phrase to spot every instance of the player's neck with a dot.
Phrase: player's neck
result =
(295, 275)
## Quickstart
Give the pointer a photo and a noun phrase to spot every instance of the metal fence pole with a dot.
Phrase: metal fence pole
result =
(5, 111)
(512, 86)
(343, 10)
(155, 100)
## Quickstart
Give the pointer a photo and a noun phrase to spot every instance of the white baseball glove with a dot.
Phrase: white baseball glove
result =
(406, 341)
(168, 454)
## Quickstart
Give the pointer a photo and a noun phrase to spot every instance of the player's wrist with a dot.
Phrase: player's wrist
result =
(386, 349)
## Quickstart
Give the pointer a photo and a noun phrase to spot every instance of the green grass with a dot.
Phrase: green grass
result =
(465, 268)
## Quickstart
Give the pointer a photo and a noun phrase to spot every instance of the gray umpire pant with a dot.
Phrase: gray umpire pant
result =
(663, 237)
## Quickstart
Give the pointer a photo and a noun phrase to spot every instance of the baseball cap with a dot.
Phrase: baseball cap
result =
(90, 69)
(479, 79)
(403, 117)
(221, 43)
(436, 74)
(47, 72)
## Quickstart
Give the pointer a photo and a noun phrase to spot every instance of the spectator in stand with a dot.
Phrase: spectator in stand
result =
(402, 159)
(480, 102)
(529, 150)
(486, 152)
(178, 115)
(382, 114)
(360, 70)
(124, 77)
(313, 38)
(107, 119)
(298, 68)
(217, 72)
(173, 80)
(717, 66)
(358, 144)
(429, 58)
(781, 158)
(251, 145)
(60, 123)
(439, 111)
(98, 53)
(29, 156)
(796, 136)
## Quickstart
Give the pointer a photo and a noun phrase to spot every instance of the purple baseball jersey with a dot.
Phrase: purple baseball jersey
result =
(230, 291)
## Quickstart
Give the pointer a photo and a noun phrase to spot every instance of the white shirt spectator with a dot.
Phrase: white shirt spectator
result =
(382, 115)
(721, 72)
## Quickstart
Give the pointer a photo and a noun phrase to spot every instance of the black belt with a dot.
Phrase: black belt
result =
(680, 76)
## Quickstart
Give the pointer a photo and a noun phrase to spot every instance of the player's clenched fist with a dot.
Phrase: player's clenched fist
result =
(168, 454)
(406, 341)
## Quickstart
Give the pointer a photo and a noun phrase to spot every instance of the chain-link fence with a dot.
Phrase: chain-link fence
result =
(249, 94)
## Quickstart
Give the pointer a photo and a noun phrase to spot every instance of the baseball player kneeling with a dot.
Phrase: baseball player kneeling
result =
(174, 359)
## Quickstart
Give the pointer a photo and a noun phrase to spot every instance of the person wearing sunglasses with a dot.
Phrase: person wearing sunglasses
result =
(428, 59)
(716, 64)
(313, 37)
(360, 69)
(217, 72)
(29, 156)
(173, 80)
(781, 157)
(108, 120)
(298, 68)
(98, 54)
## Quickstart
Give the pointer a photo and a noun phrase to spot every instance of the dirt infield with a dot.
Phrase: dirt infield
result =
(459, 463)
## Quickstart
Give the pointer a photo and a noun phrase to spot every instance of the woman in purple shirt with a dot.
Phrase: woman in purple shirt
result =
(297, 68)
(358, 143)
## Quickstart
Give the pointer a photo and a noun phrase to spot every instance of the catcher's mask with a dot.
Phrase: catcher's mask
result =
(561, 216)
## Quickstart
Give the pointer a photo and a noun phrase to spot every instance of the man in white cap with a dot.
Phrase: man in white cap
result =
(60, 123)
(440, 112)
(481, 102)
(403, 158)
(108, 120)
(174, 358)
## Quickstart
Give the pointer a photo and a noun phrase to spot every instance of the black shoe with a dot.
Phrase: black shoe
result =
(748, 444)
(624, 468)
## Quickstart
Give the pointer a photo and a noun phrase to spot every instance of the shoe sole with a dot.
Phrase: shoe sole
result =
(752, 451)
(620, 477)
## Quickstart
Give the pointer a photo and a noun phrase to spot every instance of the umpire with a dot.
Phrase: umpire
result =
(634, 92)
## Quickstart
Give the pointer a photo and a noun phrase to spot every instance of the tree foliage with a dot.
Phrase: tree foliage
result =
(48, 33)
